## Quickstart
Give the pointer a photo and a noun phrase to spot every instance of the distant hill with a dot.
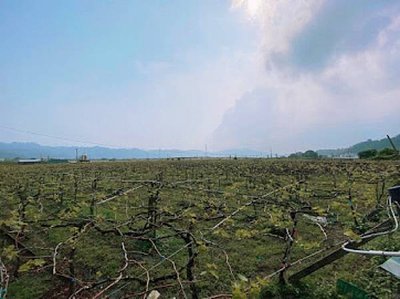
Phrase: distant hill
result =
(362, 146)
(34, 150)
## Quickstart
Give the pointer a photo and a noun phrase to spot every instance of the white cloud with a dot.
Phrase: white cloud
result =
(356, 90)
(279, 20)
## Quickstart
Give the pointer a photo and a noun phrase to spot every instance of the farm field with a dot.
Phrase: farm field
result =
(213, 228)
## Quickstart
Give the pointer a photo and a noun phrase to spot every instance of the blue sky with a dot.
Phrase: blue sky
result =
(181, 74)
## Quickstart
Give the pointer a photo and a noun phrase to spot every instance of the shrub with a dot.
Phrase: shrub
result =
(368, 154)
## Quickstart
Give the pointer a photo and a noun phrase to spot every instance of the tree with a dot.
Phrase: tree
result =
(310, 154)
(386, 153)
(368, 154)
(307, 155)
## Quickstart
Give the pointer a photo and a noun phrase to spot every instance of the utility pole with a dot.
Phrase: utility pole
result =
(76, 154)
(391, 142)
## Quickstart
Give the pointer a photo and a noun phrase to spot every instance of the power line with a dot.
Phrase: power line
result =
(56, 137)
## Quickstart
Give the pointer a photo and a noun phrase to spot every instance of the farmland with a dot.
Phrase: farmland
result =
(191, 228)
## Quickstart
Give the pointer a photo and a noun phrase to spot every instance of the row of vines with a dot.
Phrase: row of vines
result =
(187, 228)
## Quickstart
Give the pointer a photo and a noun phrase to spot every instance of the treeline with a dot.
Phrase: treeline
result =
(306, 155)
(384, 154)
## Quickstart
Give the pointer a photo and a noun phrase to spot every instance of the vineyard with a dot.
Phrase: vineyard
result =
(215, 228)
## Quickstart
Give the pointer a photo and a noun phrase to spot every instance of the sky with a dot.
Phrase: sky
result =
(278, 75)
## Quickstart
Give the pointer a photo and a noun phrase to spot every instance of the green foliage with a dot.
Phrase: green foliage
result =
(12, 221)
(352, 235)
(29, 286)
(9, 253)
(245, 288)
(31, 264)
(245, 234)
(280, 291)
(384, 154)
(387, 153)
(368, 154)
(310, 154)
(306, 155)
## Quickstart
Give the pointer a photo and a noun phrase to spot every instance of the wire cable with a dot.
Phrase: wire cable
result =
(57, 137)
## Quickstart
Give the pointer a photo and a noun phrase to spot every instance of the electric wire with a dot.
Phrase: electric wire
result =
(58, 137)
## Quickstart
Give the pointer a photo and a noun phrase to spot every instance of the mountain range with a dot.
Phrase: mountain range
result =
(34, 150)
